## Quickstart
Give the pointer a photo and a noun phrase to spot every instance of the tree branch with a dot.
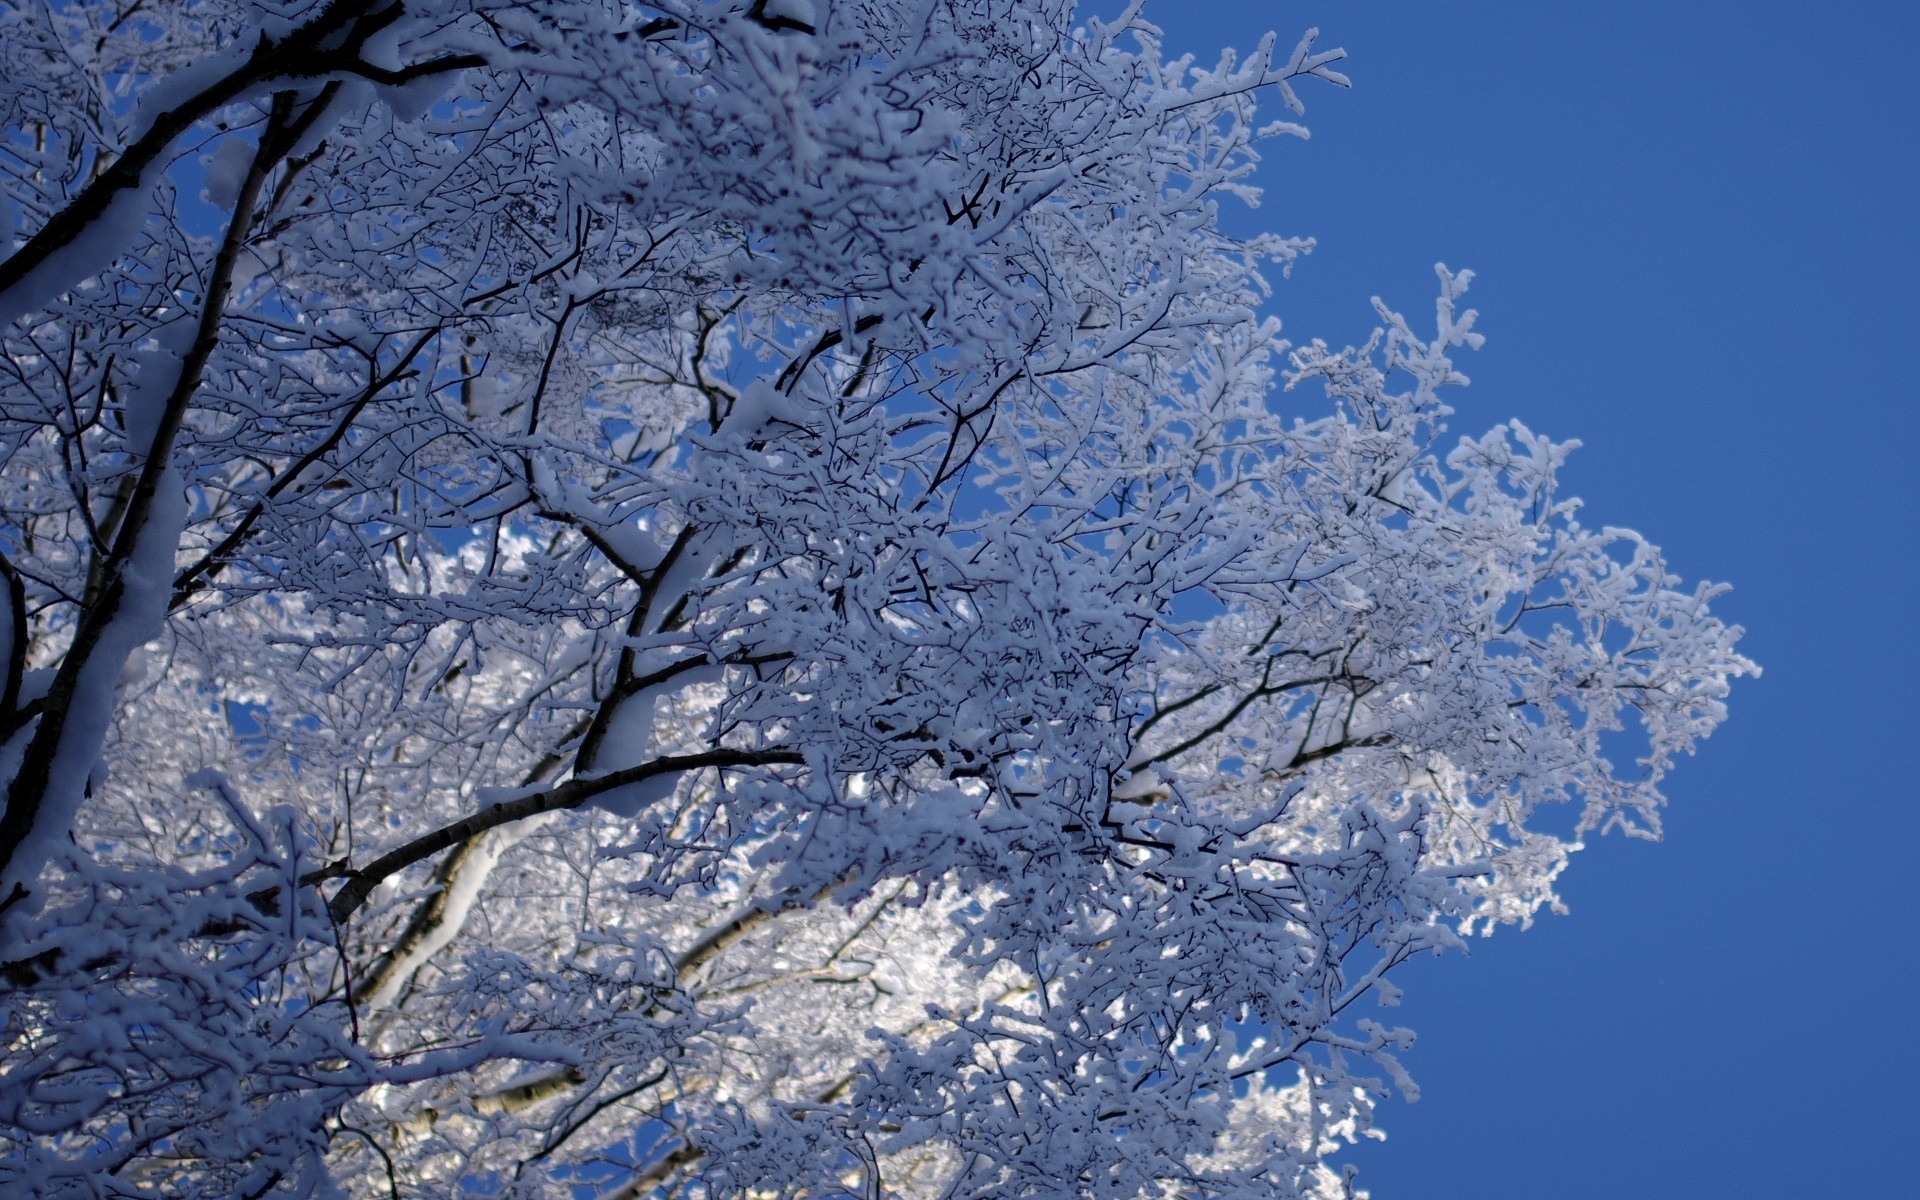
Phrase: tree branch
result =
(196, 577)
(27, 794)
(16, 645)
(297, 55)
(572, 794)
(402, 958)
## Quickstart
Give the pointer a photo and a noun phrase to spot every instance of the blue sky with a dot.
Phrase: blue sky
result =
(1696, 233)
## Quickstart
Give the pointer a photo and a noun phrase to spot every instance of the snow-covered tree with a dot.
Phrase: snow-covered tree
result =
(713, 598)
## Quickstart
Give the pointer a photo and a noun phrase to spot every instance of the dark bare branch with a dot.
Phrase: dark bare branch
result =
(569, 795)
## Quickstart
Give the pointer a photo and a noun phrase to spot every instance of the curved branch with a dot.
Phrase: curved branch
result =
(1358, 683)
(292, 56)
(571, 794)
(430, 917)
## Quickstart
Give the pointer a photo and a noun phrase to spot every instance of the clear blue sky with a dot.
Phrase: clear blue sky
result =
(1695, 228)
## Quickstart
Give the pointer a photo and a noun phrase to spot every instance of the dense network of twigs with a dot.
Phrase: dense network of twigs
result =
(709, 599)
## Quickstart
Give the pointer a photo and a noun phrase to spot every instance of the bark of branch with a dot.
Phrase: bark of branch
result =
(572, 794)
(16, 648)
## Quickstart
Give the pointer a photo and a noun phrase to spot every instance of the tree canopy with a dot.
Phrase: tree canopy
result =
(715, 598)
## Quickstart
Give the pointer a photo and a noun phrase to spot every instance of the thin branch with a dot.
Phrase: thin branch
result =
(197, 576)
(556, 1142)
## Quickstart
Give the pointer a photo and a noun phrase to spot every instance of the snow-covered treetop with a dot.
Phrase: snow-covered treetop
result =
(732, 598)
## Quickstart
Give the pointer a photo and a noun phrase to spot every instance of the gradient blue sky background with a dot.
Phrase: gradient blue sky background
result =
(1694, 232)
